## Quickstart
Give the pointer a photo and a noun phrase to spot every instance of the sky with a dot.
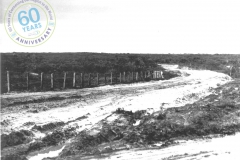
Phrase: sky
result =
(138, 26)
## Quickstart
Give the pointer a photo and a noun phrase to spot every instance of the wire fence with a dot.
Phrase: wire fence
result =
(29, 81)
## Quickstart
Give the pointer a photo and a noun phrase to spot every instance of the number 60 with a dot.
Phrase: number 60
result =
(20, 19)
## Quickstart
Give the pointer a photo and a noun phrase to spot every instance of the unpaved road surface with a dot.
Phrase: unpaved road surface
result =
(218, 148)
(84, 108)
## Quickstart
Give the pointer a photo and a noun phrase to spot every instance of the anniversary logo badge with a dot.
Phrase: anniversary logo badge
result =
(29, 22)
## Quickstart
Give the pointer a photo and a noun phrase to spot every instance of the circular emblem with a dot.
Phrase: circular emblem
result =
(29, 22)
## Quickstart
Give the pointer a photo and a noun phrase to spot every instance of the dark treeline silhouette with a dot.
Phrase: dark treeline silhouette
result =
(84, 62)
(103, 62)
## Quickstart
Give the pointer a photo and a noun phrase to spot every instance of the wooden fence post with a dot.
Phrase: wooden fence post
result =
(120, 77)
(161, 73)
(74, 79)
(64, 80)
(136, 76)
(230, 74)
(105, 78)
(41, 81)
(89, 79)
(8, 81)
(124, 77)
(111, 78)
(82, 80)
(97, 79)
(52, 81)
(27, 80)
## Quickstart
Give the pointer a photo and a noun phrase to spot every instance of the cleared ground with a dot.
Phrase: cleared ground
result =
(40, 125)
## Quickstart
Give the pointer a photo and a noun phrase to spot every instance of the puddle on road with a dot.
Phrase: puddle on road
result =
(49, 152)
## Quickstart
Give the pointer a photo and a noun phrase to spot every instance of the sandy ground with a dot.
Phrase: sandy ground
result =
(152, 96)
(220, 148)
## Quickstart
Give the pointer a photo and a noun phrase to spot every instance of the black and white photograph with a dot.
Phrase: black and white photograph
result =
(120, 80)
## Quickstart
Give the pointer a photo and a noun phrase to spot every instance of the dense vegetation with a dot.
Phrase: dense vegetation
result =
(82, 62)
(103, 62)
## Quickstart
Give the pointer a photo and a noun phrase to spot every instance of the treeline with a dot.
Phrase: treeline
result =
(201, 61)
(104, 63)
(83, 62)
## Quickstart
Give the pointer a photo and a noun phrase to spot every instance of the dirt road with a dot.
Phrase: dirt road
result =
(41, 112)
(218, 148)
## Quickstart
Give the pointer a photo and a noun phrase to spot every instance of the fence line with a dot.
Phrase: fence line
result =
(76, 79)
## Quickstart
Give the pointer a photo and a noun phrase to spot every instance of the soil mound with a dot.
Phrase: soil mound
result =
(16, 138)
(14, 157)
(218, 113)
(47, 127)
